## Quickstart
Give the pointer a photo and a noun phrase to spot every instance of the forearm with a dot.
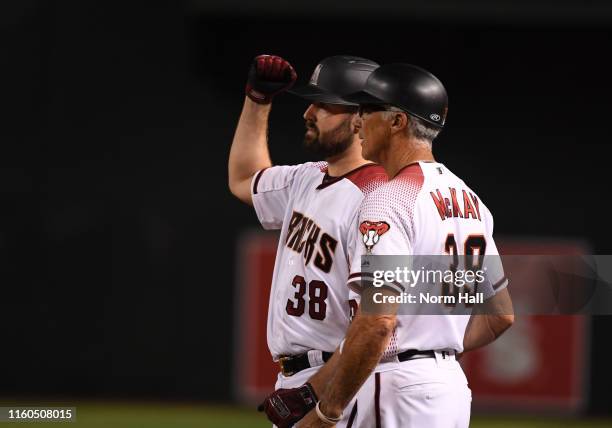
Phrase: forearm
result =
(249, 152)
(366, 340)
(484, 329)
(322, 377)
(477, 334)
(489, 321)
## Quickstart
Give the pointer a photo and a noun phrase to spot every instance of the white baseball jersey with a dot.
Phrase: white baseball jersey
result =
(425, 210)
(309, 302)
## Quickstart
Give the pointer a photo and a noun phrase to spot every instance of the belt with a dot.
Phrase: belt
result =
(291, 365)
(414, 354)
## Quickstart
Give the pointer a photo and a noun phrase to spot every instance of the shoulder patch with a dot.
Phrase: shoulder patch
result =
(371, 231)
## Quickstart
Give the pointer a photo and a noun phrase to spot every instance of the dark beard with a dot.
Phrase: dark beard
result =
(331, 143)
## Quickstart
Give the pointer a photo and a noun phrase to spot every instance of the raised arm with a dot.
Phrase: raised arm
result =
(268, 76)
(249, 152)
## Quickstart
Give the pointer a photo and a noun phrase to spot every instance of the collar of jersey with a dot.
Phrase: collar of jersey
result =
(402, 169)
(328, 180)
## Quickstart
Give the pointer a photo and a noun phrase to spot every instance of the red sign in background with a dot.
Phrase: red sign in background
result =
(255, 372)
(539, 365)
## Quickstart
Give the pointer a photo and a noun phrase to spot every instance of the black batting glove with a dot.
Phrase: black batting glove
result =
(269, 75)
(285, 407)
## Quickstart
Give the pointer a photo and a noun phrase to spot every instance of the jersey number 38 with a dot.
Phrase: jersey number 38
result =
(317, 293)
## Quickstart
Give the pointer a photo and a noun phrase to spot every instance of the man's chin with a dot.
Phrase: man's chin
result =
(364, 149)
(367, 155)
(311, 137)
(310, 144)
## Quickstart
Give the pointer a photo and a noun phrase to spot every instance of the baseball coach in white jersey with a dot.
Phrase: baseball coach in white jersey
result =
(314, 205)
(403, 368)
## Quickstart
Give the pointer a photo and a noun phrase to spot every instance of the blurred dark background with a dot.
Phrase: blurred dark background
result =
(118, 233)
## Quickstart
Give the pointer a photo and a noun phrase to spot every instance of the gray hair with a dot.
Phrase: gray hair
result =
(417, 128)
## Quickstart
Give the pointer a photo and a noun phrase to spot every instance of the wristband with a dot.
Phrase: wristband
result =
(326, 419)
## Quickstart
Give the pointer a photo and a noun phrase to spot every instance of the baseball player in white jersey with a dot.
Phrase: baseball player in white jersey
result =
(314, 205)
(406, 365)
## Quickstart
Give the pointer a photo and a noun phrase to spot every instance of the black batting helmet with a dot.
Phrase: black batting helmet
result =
(408, 87)
(336, 76)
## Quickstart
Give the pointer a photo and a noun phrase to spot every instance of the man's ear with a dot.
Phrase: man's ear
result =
(399, 122)
(356, 123)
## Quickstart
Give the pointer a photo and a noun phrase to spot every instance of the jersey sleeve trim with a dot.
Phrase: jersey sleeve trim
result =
(501, 284)
(357, 281)
(256, 181)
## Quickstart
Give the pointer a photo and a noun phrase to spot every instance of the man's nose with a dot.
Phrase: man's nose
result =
(357, 123)
(310, 112)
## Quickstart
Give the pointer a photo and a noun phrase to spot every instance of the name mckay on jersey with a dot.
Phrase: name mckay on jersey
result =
(305, 236)
(450, 207)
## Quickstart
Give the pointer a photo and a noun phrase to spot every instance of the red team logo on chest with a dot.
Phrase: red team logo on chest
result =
(371, 232)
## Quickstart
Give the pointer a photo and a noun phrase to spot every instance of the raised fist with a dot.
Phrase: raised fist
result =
(268, 76)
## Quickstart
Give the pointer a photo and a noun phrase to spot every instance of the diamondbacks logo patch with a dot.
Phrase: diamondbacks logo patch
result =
(371, 232)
